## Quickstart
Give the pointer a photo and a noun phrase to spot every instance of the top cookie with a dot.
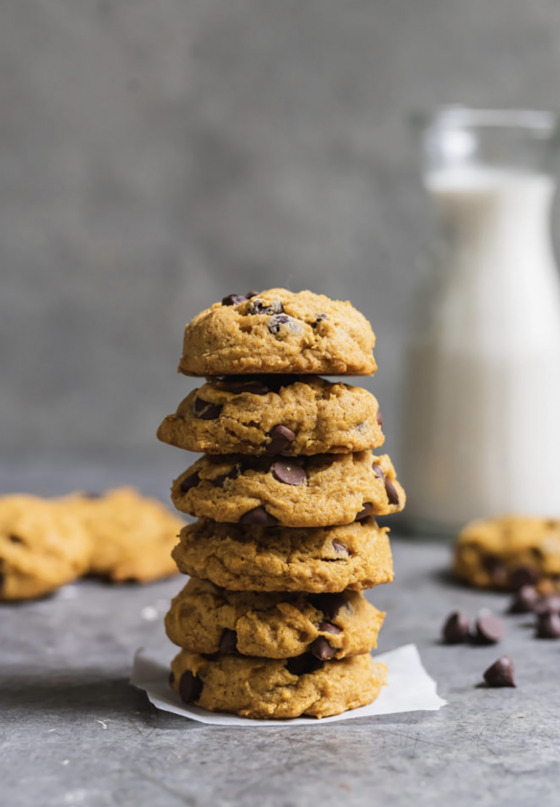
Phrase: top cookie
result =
(278, 331)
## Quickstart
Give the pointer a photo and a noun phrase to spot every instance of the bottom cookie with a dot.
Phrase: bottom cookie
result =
(277, 689)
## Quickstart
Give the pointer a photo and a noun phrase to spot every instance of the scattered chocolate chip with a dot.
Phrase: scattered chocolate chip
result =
(524, 600)
(171, 678)
(548, 625)
(366, 511)
(392, 492)
(258, 307)
(524, 576)
(190, 687)
(321, 649)
(378, 471)
(340, 548)
(496, 570)
(500, 674)
(288, 472)
(329, 604)
(548, 604)
(191, 481)
(276, 321)
(228, 643)
(306, 663)
(379, 418)
(281, 438)
(206, 410)
(236, 299)
(489, 628)
(258, 516)
(328, 627)
(238, 385)
(15, 539)
(456, 628)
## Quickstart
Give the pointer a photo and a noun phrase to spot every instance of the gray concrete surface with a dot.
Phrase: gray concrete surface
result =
(74, 732)
(156, 155)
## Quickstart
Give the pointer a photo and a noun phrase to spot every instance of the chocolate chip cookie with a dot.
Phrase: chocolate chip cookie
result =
(508, 552)
(207, 619)
(317, 491)
(42, 546)
(254, 558)
(272, 688)
(278, 331)
(275, 415)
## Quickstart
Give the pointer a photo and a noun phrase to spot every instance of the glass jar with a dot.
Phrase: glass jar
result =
(482, 422)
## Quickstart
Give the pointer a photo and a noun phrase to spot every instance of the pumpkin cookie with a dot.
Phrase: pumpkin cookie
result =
(278, 331)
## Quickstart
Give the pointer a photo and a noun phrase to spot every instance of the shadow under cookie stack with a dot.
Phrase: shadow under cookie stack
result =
(273, 622)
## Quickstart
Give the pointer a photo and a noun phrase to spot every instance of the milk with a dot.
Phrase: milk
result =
(482, 430)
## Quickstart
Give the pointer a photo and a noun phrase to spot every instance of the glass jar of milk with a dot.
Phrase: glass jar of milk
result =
(482, 428)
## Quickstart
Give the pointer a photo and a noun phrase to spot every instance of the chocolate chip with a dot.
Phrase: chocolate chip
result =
(524, 600)
(228, 643)
(238, 385)
(277, 321)
(379, 418)
(15, 539)
(524, 576)
(340, 548)
(549, 604)
(366, 511)
(306, 663)
(189, 482)
(500, 674)
(548, 625)
(328, 627)
(378, 471)
(288, 472)
(206, 410)
(258, 516)
(392, 492)
(489, 628)
(190, 687)
(281, 438)
(258, 307)
(233, 474)
(236, 299)
(329, 604)
(456, 628)
(321, 649)
(319, 318)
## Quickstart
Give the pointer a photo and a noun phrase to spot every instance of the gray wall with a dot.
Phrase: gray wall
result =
(156, 155)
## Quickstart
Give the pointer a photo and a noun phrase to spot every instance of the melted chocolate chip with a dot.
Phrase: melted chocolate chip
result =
(321, 649)
(228, 643)
(366, 511)
(258, 307)
(328, 627)
(548, 625)
(489, 628)
(500, 674)
(281, 438)
(288, 472)
(378, 471)
(233, 474)
(392, 492)
(306, 663)
(189, 482)
(236, 299)
(340, 548)
(190, 687)
(379, 418)
(523, 576)
(329, 604)
(524, 600)
(258, 516)
(456, 628)
(206, 410)
(277, 321)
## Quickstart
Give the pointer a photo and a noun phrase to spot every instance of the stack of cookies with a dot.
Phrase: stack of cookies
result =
(273, 622)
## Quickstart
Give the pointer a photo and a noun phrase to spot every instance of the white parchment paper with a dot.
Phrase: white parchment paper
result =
(409, 689)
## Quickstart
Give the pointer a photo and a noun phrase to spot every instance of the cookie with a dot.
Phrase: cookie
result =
(207, 619)
(317, 491)
(272, 688)
(238, 558)
(278, 331)
(131, 535)
(508, 552)
(275, 415)
(42, 546)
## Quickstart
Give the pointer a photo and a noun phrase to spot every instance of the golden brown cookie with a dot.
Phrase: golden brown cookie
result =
(271, 688)
(316, 491)
(207, 619)
(271, 415)
(42, 546)
(131, 535)
(326, 559)
(508, 552)
(278, 331)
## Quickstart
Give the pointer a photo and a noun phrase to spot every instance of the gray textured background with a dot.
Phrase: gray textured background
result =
(156, 155)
